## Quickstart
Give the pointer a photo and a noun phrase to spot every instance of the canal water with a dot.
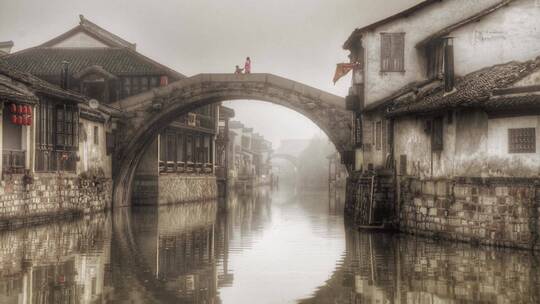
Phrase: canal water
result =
(271, 246)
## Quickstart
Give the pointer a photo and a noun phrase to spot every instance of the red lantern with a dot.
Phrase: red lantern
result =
(19, 120)
(25, 120)
(13, 108)
(29, 120)
(30, 110)
(25, 109)
(14, 119)
(19, 109)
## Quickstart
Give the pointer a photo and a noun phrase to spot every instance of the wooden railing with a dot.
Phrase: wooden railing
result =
(185, 167)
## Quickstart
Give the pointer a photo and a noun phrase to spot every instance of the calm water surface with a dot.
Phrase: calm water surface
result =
(272, 246)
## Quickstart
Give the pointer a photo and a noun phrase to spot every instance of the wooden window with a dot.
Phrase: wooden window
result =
(162, 147)
(144, 84)
(522, 140)
(135, 85)
(154, 82)
(435, 60)
(96, 135)
(57, 137)
(378, 135)
(180, 148)
(206, 149)
(392, 52)
(126, 87)
(189, 148)
(437, 134)
(171, 147)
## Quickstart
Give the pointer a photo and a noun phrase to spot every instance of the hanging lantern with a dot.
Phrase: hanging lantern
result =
(25, 120)
(19, 119)
(25, 109)
(13, 119)
(29, 120)
(13, 108)
(29, 110)
(19, 109)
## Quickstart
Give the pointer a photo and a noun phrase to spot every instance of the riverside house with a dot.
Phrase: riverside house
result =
(448, 118)
(49, 169)
(107, 68)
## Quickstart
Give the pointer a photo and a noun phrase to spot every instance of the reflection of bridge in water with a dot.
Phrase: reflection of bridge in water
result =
(181, 254)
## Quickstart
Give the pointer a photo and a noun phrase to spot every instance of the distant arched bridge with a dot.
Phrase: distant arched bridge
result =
(149, 113)
(290, 158)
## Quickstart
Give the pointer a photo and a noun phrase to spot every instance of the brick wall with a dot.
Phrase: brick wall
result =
(50, 196)
(493, 211)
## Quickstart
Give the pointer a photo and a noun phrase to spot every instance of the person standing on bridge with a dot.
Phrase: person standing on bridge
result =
(247, 66)
(238, 70)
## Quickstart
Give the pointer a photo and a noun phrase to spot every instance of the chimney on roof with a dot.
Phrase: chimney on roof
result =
(449, 77)
(81, 17)
(5, 47)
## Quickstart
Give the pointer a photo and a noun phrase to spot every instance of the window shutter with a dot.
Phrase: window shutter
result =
(392, 52)
(397, 51)
(386, 52)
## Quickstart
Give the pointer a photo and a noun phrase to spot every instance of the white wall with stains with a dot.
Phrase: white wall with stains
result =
(510, 33)
(93, 155)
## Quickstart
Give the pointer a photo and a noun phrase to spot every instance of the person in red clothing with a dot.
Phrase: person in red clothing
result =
(247, 66)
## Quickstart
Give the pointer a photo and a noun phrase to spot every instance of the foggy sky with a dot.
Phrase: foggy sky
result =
(297, 39)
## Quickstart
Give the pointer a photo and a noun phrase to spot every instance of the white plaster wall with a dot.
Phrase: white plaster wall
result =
(80, 40)
(416, 28)
(510, 33)
(92, 156)
(411, 139)
(503, 163)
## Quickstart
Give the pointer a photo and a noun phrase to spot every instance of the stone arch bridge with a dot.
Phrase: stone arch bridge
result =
(146, 114)
(290, 158)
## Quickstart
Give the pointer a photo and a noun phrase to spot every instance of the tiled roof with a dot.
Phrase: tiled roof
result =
(45, 61)
(9, 93)
(472, 90)
(36, 84)
(517, 102)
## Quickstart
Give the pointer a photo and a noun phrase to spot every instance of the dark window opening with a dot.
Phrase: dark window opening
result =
(378, 135)
(437, 134)
(96, 136)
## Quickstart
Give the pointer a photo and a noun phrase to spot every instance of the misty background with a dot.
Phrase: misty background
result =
(297, 39)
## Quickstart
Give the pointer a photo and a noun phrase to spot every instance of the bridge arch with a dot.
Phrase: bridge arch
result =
(146, 114)
(290, 158)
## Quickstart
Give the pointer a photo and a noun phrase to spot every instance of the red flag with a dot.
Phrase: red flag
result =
(342, 69)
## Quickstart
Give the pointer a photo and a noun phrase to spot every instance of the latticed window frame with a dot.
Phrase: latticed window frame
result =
(522, 140)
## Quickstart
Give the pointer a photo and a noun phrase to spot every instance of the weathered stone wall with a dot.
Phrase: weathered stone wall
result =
(177, 188)
(493, 211)
(50, 196)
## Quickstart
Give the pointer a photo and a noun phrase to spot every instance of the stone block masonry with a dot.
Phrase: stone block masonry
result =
(493, 211)
(47, 196)
(177, 188)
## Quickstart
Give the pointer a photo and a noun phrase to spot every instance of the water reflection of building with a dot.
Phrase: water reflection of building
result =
(381, 268)
(187, 246)
(56, 264)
